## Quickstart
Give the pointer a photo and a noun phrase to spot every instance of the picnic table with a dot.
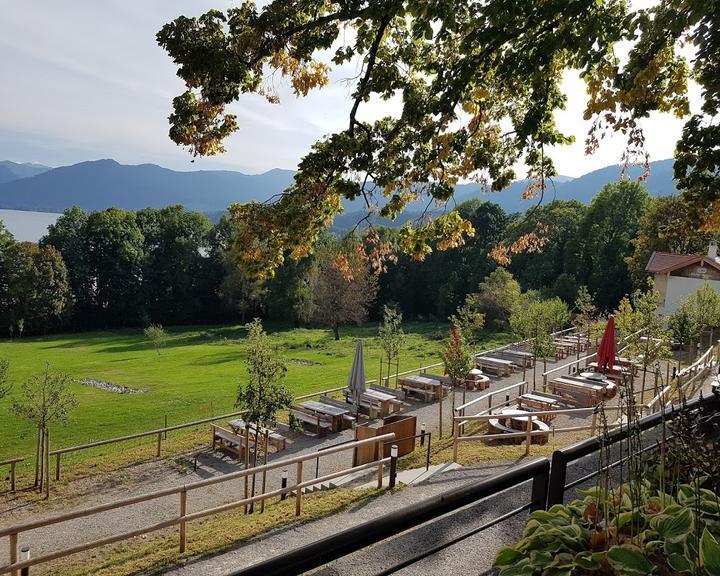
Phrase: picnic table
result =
(388, 402)
(541, 402)
(278, 441)
(334, 412)
(512, 421)
(580, 392)
(427, 388)
(497, 365)
(520, 357)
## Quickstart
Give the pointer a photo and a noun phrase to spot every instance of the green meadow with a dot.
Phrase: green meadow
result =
(195, 375)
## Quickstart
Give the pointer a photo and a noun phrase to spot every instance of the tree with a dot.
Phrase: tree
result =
(606, 234)
(468, 320)
(69, 236)
(392, 338)
(157, 336)
(684, 325)
(174, 273)
(264, 394)
(535, 320)
(343, 287)
(665, 226)
(240, 293)
(498, 296)
(458, 362)
(44, 399)
(6, 240)
(479, 85)
(37, 290)
(114, 245)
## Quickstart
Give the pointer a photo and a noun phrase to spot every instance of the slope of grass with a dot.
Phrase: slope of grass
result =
(194, 376)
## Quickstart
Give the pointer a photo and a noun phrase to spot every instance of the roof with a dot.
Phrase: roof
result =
(664, 262)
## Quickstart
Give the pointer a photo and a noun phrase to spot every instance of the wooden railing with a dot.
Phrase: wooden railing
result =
(460, 410)
(13, 533)
(159, 432)
(529, 433)
(13, 463)
(691, 375)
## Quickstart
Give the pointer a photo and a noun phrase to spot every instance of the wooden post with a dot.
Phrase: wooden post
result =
(264, 474)
(455, 448)
(57, 466)
(12, 476)
(159, 443)
(298, 492)
(381, 455)
(440, 405)
(47, 463)
(528, 438)
(247, 462)
(593, 424)
(13, 551)
(183, 512)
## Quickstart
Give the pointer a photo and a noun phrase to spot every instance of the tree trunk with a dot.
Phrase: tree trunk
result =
(37, 458)
(255, 454)
(47, 464)
(336, 331)
(41, 458)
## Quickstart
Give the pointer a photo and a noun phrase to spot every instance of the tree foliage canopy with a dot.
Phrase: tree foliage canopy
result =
(479, 84)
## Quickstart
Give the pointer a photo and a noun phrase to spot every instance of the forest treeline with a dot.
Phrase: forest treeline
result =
(118, 268)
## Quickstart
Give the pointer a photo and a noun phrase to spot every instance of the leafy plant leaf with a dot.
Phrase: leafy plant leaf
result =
(629, 561)
(710, 553)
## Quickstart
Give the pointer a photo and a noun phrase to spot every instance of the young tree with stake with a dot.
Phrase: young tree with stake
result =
(391, 338)
(45, 399)
(458, 362)
(264, 393)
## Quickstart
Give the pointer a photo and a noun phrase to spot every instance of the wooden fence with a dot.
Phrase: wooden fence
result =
(13, 533)
(459, 421)
(12, 462)
(687, 381)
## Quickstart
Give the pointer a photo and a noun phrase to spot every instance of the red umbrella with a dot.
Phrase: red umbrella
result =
(606, 350)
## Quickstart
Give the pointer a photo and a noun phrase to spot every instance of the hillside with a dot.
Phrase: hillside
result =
(101, 184)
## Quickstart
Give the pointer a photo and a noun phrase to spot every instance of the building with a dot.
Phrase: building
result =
(679, 275)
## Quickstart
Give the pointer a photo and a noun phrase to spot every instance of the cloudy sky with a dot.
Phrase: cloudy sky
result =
(84, 80)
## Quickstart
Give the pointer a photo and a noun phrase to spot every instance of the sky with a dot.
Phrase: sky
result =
(84, 80)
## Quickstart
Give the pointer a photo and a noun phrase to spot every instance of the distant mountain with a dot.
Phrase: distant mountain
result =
(13, 171)
(101, 184)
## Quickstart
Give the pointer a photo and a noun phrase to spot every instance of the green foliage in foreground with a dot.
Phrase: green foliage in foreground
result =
(605, 534)
(197, 373)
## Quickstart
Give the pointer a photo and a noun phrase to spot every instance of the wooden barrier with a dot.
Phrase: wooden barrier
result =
(158, 432)
(529, 434)
(13, 532)
(12, 462)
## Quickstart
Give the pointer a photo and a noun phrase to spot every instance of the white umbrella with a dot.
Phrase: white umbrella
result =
(356, 381)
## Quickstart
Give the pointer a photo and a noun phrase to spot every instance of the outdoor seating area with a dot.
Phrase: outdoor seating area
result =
(583, 392)
(320, 423)
(226, 441)
(275, 439)
(513, 421)
(541, 402)
(522, 358)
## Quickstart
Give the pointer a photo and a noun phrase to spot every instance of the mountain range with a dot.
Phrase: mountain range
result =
(100, 184)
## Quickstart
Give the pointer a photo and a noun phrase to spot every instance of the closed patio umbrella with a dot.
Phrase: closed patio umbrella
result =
(606, 350)
(356, 381)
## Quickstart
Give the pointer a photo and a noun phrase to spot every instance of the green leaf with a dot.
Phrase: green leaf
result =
(629, 561)
(507, 556)
(710, 553)
(588, 560)
(673, 528)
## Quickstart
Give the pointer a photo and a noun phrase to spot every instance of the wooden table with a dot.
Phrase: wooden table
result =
(497, 365)
(335, 412)
(581, 392)
(540, 401)
(520, 357)
(427, 388)
(388, 402)
(274, 439)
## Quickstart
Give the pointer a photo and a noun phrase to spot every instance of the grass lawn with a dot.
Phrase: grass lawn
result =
(194, 376)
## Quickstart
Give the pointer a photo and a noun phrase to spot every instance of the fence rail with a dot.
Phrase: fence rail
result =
(14, 532)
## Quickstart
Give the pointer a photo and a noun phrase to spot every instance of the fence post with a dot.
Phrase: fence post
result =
(528, 438)
(24, 557)
(14, 551)
(298, 492)
(539, 490)
(183, 512)
(393, 465)
(381, 455)
(558, 473)
(159, 442)
(57, 466)
(422, 434)
(12, 476)
(283, 484)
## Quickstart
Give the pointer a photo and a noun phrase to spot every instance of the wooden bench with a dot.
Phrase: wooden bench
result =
(427, 395)
(577, 393)
(348, 420)
(321, 423)
(499, 428)
(541, 402)
(275, 439)
(497, 366)
(227, 441)
(397, 392)
(368, 406)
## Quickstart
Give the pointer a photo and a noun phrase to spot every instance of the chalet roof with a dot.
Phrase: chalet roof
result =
(664, 262)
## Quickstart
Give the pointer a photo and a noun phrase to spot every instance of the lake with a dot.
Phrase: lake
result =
(27, 226)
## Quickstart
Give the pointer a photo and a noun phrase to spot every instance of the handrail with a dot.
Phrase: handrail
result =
(316, 554)
(182, 491)
(490, 395)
